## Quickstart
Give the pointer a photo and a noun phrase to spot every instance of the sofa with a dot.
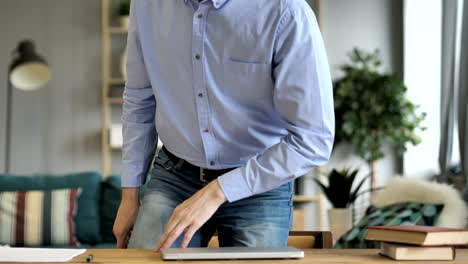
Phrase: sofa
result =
(96, 206)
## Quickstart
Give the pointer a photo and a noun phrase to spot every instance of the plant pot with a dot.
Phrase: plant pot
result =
(124, 20)
(340, 221)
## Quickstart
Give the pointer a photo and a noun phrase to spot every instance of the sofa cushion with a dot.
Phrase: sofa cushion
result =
(391, 215)
(87, 216)
(110, 201)
(38, 218)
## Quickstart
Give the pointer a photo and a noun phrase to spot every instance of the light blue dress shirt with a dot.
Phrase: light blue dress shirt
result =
(228, 83)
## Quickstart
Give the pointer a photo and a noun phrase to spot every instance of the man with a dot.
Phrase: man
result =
(239, 92)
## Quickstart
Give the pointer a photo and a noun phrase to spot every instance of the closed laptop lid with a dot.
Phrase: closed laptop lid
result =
(231, 253)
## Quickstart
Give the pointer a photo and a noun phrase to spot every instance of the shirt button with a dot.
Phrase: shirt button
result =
(200, 95)
(198, 57)
(212, 163)
(200, 15)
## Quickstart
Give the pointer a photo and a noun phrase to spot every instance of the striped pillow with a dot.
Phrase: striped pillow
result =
(38, 218)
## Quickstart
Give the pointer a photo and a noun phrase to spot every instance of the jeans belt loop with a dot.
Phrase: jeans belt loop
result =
(179, 164)
(202, 175)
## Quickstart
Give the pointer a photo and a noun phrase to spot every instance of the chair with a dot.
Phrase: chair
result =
(310, 239)
(299, 239)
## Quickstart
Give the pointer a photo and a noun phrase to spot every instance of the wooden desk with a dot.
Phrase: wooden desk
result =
(311, 256)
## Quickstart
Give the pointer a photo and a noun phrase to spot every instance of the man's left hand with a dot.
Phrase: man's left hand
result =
(192, 214)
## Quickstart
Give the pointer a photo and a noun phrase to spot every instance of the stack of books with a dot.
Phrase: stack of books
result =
(418, 242)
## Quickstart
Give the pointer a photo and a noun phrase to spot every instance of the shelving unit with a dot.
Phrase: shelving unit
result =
(307, 199)
(118, 30)
(317, 6)
(109, 31)
(299, 212)
(115, 100)
(114, 81)
(301, 200)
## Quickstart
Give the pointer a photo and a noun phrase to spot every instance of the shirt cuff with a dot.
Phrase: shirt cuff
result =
(234, 186)
(131, 178)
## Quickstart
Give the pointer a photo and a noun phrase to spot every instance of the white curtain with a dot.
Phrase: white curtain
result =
(450, 73)
(463, 96)
(454, 93)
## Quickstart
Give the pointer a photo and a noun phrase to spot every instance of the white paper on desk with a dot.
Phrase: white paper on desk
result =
(38, 254)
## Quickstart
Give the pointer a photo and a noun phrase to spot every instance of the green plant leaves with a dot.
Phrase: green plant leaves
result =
(124, 8)
(340, 183)
(372, 108)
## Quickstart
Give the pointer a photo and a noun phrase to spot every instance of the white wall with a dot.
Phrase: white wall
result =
(55, 129)
(422, 48)
(367, 24)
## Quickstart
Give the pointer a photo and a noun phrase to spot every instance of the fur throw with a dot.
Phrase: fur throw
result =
(401, 189)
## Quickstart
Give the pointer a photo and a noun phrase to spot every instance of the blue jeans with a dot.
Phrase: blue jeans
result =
(262, 220)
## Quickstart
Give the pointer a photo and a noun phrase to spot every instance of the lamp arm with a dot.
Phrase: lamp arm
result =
(9, 96)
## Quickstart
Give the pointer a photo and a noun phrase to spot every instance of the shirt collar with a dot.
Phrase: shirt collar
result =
(216, 3)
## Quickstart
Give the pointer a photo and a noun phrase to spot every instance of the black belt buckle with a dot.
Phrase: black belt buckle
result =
(169, 164)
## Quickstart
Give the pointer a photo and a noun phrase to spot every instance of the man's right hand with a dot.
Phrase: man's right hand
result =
(126, 216)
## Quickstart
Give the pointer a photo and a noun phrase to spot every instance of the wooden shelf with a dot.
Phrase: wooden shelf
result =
(117, 81)
(115, 100)
(306, 198)
(117, 30)
(119, 148)
(110, 33)
(116, 149)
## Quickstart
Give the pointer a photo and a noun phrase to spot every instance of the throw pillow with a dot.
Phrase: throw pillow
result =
(87, 216)
(38, 218)
(391, 215)
(110, 201)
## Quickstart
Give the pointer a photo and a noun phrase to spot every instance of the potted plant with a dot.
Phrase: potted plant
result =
(341, 195)
(124, 13)
(372, 109)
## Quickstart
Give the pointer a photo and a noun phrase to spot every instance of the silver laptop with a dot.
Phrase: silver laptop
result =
(230, 253)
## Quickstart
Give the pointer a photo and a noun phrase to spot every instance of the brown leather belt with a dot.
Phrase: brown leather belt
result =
(206, 175)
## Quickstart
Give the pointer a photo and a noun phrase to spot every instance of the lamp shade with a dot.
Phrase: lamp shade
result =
(28, 71)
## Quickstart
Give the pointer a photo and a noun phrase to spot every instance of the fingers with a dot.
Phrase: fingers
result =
(177, 224)
(122, 242)
(172, 236)
(174, 220)
(189, 216)
(119, 235)
(124, 221)
(189, 233)
(189, 229)
(120, 245)
(122, 236)
(171, 224)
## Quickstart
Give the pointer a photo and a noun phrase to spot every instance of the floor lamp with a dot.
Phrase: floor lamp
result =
(28, 71)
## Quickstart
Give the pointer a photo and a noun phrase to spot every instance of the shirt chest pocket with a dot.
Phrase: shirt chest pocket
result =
(247, 81)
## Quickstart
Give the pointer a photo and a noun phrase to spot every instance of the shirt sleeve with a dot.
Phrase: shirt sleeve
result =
(303, 96)
(138, 118)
